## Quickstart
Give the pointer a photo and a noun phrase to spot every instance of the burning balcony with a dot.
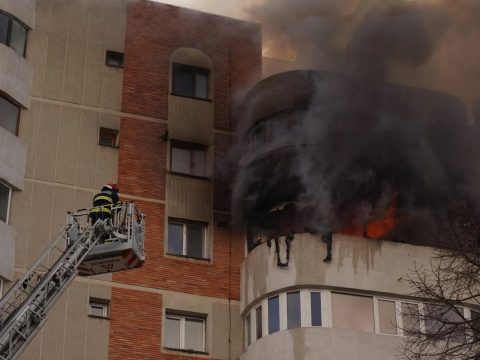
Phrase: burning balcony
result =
(327, 153)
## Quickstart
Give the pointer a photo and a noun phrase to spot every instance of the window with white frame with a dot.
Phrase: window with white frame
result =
(379, 315)
(98, 307)
(387, 317)
(294, 318)
(184, 332)
(273, 314)
(316, 308)
(248, 329)
(353, 312)
(258, 322)
(188, 158)
(5, 199)
(187, 238)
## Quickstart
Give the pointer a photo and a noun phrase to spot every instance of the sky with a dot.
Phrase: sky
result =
(231, 8)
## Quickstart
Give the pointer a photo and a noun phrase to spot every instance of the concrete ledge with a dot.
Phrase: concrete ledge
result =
(16, 75)
(7, 244)
(325, 344)
(22, 9)
(13, 157)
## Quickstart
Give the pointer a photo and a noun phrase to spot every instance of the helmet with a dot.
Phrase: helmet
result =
(111, 186)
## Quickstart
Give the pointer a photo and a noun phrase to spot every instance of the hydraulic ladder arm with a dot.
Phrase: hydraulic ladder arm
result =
(24, 307)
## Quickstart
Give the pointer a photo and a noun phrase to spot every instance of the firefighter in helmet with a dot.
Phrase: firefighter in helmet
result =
(103, 203)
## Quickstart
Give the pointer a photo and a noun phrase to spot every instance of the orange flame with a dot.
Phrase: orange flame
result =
(375, 228)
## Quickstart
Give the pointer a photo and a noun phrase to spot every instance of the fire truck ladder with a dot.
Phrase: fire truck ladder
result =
(24, 307)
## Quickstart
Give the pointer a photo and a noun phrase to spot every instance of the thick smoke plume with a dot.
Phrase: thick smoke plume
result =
(360, 146)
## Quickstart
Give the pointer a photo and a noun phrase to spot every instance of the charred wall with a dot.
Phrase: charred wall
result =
(325, 152)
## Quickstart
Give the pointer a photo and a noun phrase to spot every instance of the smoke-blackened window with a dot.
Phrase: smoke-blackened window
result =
(190, 81)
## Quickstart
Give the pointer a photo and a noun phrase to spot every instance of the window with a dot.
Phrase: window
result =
(1, 288)
(387, 317)
(316, 308)
(187, 158)
(410, 319)
(98, 308)
(352, 312)
(248, 326)
(187, 238)
(185, 333)
(5, 197)
(259, 325)
(442, 321)
(293, 310)
(13, 33)
(108, 137)
(273, 315)
(114, 59)
(190, 81)
(475, 323)
(9, 115)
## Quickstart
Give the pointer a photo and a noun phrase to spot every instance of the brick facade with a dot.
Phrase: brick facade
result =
(154, 31)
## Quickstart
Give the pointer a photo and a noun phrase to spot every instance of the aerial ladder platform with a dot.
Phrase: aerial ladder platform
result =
(80, 249)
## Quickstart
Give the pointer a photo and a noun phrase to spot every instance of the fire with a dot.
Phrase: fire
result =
(375, 228)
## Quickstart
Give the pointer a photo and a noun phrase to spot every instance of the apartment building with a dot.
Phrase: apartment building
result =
(146, 94)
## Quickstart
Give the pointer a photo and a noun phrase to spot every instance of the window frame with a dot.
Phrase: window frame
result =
(104, 304)
(11, 19)
(4, 97)
(185, 223)
(194, 70)
(114, 54)
(182, 335)
(192, 147)
(109, 131)
(9, 201)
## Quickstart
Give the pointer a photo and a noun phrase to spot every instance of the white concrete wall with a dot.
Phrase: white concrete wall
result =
(13, 155)
(7, 246)
(358, 263)
(324, 344)
(16, 75)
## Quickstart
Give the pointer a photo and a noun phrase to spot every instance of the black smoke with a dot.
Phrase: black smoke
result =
(354, 143)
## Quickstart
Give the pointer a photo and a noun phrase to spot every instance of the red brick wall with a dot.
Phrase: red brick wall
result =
(154, 31)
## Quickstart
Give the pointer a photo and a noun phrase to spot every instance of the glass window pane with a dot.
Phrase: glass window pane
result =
(18, 38)
(97, 310)
(183, 80)
(4, 198)
(193, 334)
(181, 160)
(248, 325)
(172, 333)
(387, 317)
(199, 160)
(8, 115)
(475, 324)
(175, 238)
(195, 241)
(352, 312)
(3, 28)
(258, 313)
(410, 319)
(201, 85)
(440, 321)
(273, 315)
(316, 308)
(293, 310)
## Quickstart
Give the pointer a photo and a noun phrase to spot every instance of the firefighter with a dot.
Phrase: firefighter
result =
(103, 203)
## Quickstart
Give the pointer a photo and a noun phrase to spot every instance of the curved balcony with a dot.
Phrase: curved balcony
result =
(302, 124)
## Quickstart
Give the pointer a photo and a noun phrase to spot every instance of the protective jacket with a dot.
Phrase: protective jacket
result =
(103, 202)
